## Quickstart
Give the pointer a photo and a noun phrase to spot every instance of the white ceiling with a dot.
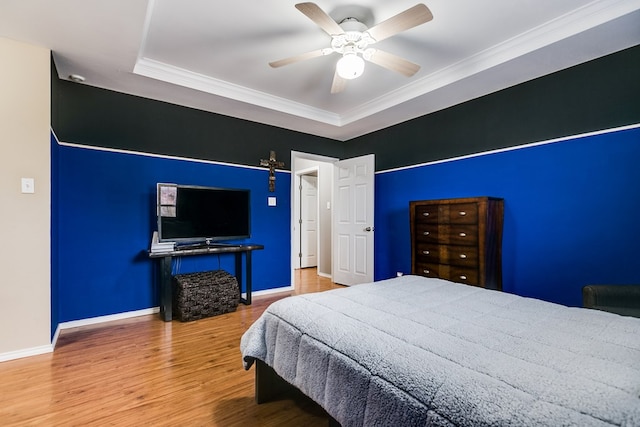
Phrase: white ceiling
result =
(213, 55)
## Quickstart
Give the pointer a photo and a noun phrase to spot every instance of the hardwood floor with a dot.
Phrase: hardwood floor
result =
(143, 371)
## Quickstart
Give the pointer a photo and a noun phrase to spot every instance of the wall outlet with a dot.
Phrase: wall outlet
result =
(28, 185)
(271, 201)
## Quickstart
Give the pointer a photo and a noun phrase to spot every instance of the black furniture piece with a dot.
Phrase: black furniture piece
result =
(204, 294)
(166, 259)
(619, 299)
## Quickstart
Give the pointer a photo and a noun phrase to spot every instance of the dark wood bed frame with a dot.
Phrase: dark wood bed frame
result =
(270, 386)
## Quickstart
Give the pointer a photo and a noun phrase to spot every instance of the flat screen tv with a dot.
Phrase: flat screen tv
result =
(194, 214)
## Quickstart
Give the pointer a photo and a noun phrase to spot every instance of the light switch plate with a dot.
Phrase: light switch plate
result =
(271, 201)
(28, 185)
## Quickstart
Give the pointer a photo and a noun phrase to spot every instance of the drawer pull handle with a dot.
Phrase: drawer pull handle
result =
(463, 277)
(426, 233)
(463, 256)
(462, 213)
(426, 271)
(425, 213)
(463, 234)
(425, 252)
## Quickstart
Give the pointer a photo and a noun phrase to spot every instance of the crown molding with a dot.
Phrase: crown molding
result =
(179, 76)
(568, 25)
(590, 16)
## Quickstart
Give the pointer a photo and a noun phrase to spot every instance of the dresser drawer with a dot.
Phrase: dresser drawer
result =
(447, 254)
(426, 214)
(463, 234)
(466, 235)
(466, 275)
(466, 256)
(427, 269)
(459, 213)
(427, 232)
(427, 253)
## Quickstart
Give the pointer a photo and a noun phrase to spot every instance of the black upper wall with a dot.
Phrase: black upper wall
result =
(91, 116)
(599, 94)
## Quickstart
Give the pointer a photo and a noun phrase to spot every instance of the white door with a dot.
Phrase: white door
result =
(353, 186)
(308, 221)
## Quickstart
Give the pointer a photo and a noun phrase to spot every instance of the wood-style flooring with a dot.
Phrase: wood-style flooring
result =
(146, 372)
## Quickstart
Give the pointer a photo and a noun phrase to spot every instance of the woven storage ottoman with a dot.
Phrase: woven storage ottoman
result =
(204, 294)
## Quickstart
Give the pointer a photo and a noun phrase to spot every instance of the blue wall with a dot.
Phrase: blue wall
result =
(571, 212)
(106, 216)
(569, 219)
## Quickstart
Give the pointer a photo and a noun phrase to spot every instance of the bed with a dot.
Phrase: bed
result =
(419, 351)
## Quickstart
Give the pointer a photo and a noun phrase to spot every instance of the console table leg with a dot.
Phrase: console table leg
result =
(247, 269)
(166, 306)
(248, 260)
(239, 274)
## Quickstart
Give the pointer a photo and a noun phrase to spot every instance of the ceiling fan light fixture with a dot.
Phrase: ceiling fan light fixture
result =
(351, 37)
(350, 66)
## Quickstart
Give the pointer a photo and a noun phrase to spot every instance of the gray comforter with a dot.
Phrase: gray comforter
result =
(419, 351)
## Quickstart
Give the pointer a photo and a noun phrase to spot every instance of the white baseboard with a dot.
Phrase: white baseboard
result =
(144, 312)
(108, 318)
(26, 352)
(269, 291)
(54, 339)
(34, 351)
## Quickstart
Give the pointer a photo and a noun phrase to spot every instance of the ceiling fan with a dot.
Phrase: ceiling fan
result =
(351, 38)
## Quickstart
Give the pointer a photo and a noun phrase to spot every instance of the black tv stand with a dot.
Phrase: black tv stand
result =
(166, 258)
(202, 245)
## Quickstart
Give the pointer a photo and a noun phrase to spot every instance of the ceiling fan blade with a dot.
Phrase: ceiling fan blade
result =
(300, 57)
(412, 17)
(393, 63)
(339, 84)
(320, 17)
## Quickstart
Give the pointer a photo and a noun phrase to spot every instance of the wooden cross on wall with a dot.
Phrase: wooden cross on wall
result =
(272, 164)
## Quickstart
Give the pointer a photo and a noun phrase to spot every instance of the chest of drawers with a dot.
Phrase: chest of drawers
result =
(458, 240)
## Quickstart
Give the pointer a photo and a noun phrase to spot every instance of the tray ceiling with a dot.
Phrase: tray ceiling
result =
(214, 56)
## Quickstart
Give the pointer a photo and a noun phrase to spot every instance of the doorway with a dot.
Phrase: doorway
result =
(303, 166)
(353, 180)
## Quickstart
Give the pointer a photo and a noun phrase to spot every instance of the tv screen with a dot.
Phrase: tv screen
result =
(202, 214)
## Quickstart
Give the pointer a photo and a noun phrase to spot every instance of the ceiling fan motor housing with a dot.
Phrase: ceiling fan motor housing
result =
(355, 39)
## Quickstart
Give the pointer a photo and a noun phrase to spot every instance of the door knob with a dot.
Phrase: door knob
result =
(368, 229)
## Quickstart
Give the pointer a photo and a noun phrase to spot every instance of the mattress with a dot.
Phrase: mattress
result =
(421, 351)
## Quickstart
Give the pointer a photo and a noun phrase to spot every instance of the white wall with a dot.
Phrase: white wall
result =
(25, 284)
(324, 166)
(325, 186)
